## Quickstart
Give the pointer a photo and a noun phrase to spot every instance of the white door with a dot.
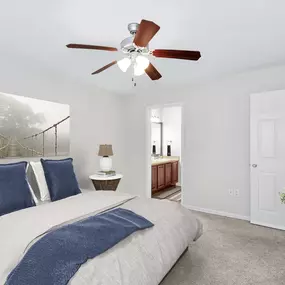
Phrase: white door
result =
(267, 158)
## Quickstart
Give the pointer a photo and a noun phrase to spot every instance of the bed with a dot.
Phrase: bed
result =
(145, 257)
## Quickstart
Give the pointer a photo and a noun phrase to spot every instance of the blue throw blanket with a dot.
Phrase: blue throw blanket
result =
(56, 257)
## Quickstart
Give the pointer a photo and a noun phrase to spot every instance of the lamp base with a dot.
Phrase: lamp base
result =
(106, 163)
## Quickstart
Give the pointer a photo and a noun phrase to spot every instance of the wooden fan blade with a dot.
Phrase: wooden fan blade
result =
(179, 54)
(145, 33)
(152, 72)
(104, 67)
(92, 47)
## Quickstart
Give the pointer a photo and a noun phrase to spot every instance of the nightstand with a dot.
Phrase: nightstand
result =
(106, 183)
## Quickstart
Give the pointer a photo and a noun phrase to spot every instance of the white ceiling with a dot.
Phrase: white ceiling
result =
(233, 36)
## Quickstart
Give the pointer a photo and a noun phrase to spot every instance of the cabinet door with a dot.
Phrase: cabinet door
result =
(175, 172)
(160, 177)
(168, 174)
(154, 178)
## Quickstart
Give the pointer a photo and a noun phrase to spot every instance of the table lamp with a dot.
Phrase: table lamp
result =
(105, 150)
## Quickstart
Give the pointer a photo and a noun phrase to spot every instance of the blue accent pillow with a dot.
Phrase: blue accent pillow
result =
(15, 192)
(60, 178)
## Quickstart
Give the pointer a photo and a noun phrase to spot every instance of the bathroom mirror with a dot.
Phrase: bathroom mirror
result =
(156, 138)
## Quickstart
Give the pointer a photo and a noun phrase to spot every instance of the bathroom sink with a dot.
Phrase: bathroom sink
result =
(163, 159)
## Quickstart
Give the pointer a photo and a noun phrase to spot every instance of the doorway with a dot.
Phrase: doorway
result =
(267, 159)
(164, 151)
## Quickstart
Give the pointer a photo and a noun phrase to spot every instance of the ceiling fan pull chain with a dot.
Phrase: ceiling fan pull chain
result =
(134, 78)
(134, 81)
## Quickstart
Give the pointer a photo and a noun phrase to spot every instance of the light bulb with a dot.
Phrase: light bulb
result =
(124, 64)
(138, 71)
(142, 62)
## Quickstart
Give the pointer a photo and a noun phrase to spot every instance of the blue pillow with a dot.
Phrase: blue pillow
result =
(60, 178)
(14, 188)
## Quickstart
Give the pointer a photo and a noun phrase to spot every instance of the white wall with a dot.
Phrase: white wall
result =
(172, 129)
(216, 124)
(97, 116)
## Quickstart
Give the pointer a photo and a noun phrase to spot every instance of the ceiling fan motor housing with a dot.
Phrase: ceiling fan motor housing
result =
(133, 27)
(128, 46)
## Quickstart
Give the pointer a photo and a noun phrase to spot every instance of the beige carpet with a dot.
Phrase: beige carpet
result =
(232, 252)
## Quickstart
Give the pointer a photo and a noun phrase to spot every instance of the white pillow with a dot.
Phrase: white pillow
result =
(31, 189)
(41, 180)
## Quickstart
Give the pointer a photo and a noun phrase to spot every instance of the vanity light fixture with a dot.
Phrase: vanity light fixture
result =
(155, 119)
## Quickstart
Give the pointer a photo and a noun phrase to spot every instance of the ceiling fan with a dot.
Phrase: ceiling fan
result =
(137, 50)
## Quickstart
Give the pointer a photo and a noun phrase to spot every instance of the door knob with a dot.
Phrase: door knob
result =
(254, 165)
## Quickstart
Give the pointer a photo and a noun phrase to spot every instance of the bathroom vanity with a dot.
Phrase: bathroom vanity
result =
(164, 173)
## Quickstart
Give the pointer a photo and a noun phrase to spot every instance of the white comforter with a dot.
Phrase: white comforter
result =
(145, 257)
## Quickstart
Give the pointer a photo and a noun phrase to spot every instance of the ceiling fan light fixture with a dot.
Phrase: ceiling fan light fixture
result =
(124, 64)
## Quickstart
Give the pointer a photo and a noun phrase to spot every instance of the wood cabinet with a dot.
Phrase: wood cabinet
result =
(168, 174)
(164, 175)
(160, 177)
(154, 178)
(175, 172)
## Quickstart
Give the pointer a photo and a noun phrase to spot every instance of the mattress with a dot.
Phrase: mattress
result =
(145, 257)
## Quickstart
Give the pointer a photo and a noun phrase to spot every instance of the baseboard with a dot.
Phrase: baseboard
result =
(267, 225)
(219, 213)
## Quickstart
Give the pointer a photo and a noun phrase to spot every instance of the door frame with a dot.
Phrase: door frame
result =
(148, 145)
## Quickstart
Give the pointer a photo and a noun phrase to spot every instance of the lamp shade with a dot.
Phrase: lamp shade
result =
(105, 150)
(142, 62)
(124, 64)
(138, 71)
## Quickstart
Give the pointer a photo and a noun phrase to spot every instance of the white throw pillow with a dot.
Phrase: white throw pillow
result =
(31, 189)
(41, 180)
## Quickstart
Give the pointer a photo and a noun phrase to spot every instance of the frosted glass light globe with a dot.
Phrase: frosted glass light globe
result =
(142, 62)
(138, 71)
(124, 64)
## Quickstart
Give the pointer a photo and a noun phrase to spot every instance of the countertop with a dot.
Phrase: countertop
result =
(164, 160)
(100, 177)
